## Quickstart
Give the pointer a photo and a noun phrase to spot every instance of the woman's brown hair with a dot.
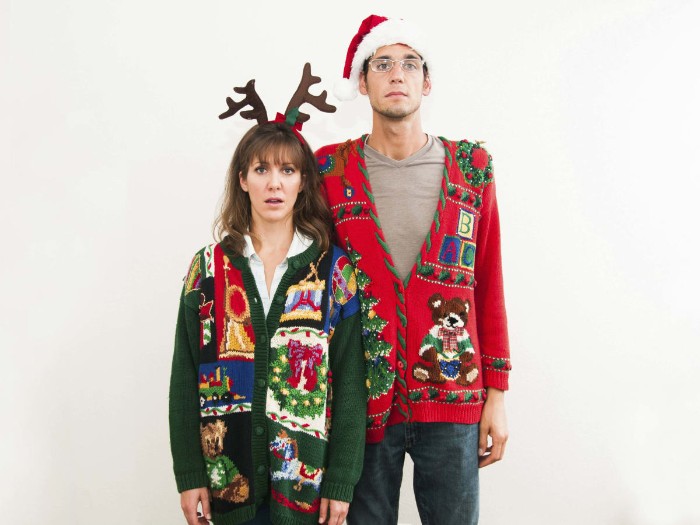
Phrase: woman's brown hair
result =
(273, 142)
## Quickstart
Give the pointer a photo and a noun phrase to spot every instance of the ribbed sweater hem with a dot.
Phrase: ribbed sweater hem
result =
(337, 491)
(191, 480)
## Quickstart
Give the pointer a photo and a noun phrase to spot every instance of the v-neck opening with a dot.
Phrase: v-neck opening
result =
(382, 240)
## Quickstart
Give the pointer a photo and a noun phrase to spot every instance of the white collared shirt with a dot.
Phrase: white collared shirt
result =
(300, 243)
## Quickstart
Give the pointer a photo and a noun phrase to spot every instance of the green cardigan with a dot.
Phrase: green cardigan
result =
(268, 409)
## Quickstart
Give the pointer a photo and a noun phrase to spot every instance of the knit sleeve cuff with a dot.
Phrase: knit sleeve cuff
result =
(496, 378)
(191, 480)
(337, 491)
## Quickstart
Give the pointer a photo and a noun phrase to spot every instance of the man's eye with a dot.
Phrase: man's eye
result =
(383, 66)
(409, 66)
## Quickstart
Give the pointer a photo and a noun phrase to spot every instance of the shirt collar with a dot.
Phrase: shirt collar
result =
(300, 243)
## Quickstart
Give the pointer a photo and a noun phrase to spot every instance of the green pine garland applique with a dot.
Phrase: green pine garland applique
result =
(380, 376)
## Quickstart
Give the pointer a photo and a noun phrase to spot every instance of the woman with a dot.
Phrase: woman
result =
(268, 351)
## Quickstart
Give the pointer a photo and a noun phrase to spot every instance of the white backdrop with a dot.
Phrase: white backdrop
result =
(113, 163)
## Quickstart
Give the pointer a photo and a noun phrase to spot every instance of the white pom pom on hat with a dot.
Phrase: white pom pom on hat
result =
(375, 31)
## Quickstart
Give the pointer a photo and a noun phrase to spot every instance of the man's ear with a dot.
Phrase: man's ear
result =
(243, 182)
(427, 85)
(363, 83)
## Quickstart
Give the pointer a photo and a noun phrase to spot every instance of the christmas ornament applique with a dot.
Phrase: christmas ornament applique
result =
(446, 351)
(304, 298)
(225, 480)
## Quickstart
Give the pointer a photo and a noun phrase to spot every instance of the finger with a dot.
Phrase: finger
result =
(483, 439)
(190, 512)
(497, 451)
(206, 504)
(323, 511)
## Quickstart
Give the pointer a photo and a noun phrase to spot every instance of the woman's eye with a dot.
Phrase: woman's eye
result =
(259, 169)
(288, 171)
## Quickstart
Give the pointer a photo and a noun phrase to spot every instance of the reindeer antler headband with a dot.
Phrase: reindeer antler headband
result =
(292, 116)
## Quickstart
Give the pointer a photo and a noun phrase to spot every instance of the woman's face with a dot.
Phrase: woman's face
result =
(273, 189)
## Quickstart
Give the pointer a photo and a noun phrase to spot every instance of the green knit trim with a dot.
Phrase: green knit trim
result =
(359, 145)
(384, 245)
(366, 190)
(363, 170)
(337, 491)
(399, 294)
(402, 341)
(448, 153)
(402, 317)
(374, 218)
(391, 268)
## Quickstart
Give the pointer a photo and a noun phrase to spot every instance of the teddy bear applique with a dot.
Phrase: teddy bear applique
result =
(446, 351)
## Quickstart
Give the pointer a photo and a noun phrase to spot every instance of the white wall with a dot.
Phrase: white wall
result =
(112, 166)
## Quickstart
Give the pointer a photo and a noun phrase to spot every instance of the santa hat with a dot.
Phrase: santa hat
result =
(375, 32)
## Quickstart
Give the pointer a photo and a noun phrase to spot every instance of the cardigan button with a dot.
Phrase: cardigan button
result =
(295, 265)
(259, 431)
(261, 383)
(261, 469)
(262, 339)
(279, 299)
(400, 365)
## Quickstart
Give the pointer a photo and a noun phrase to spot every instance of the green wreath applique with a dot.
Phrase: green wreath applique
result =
(475, 163)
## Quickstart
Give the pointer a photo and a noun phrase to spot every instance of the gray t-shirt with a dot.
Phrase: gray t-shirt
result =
(406, 194)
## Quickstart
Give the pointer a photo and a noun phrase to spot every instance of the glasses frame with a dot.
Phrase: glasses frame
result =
(400, 62)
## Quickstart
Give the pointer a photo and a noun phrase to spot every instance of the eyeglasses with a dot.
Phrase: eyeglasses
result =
(384, 65)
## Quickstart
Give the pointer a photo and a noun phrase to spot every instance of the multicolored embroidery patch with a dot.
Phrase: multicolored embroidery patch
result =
(206, 320)
(304, 299)
(238, 340)
(298, 391)
(194, 276)
(225, 389)
(344, 281)
(226, 481)
(289, 475)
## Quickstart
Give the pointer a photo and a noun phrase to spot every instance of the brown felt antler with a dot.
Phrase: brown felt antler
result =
(302, 95)
(251, 99)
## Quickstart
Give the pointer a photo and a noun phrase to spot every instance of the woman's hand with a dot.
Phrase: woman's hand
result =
(190, 500)
(338, 511)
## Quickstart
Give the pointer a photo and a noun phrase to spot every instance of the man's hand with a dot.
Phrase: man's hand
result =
(190, 499)
(338, 511)
(494, 425)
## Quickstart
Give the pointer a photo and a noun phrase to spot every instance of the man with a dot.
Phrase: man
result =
(417, 214)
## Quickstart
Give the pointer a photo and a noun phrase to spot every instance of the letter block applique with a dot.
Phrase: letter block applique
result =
(465, 228)
(467, 255)
(450, 250)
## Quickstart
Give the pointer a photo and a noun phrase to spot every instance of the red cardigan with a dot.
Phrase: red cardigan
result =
(435, 341)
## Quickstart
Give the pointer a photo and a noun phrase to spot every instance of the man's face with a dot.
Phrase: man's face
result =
(395, 94)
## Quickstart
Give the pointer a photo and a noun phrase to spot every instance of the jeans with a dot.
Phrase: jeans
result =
(445, 475)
